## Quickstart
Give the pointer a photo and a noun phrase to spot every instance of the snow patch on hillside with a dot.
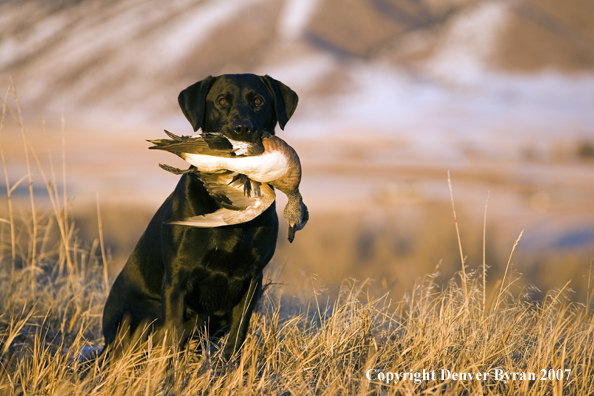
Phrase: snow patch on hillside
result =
(466, 49)
(295, 16)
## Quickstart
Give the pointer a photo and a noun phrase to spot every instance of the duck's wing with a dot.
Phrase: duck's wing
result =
(217, 141)
(236, 206)
(215, 145)
(228, 189)
(208, 143)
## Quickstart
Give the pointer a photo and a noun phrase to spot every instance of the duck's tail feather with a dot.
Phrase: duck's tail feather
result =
(174, 136)
(177, 171)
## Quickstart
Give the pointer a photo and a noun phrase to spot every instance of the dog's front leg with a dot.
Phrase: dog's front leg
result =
(173, 309)
(240, 317)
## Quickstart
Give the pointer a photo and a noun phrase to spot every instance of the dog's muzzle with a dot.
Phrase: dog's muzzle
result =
(244, 130)
(243, 127)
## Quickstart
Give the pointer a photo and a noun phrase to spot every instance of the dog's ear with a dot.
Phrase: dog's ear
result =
(192, 101)
(285, 99)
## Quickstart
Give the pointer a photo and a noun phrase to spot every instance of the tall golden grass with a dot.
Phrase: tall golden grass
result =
(53, 287)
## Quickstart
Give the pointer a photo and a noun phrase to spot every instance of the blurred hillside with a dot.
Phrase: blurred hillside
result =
(130, 56)
(393, 94)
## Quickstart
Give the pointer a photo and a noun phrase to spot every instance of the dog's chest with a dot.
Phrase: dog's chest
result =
(215, 293)
(220, 281)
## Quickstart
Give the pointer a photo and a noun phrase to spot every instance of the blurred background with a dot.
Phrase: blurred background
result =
(393, 95)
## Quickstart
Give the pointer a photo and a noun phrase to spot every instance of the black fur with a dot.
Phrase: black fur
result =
(180, 277)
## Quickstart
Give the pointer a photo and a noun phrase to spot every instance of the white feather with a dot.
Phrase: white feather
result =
(239, 147)
(263, 168)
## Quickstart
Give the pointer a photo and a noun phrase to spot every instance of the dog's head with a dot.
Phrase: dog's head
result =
(241, 106)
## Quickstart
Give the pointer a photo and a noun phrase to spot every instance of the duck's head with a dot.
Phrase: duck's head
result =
(296, 214)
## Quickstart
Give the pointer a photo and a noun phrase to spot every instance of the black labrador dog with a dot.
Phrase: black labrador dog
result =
(179, 277)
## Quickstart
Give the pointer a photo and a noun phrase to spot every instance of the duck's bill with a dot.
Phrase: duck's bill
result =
(292, 231)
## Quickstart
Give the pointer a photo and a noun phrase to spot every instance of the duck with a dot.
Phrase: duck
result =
(244, 173)
(233, 192)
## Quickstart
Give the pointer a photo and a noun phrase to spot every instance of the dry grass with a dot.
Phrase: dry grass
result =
(53, 290)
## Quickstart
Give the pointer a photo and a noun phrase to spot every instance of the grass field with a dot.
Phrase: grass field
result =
(462, 337)
(52, 298)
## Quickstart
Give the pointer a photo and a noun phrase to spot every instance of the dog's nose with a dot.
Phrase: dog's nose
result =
(243, 126)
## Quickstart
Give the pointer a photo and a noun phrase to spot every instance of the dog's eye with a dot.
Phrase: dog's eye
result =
(223, 102)
(258, 102)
